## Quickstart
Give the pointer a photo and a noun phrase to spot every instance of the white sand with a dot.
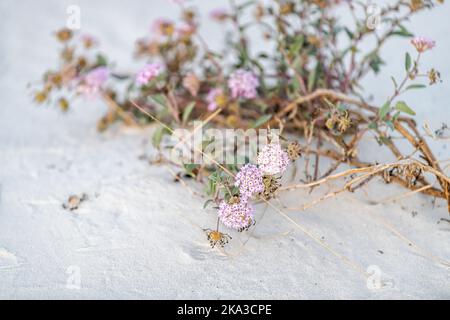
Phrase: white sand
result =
(139, 234)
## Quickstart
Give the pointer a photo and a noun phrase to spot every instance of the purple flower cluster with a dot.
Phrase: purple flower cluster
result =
(236, 216)
(250, 181)
(272, 159)
(243, 84)
(92, 82)
(148, 73)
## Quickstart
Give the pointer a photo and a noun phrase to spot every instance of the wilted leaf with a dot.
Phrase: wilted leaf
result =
(191, 84)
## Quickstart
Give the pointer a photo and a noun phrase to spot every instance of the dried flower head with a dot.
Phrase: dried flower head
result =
(434, 76)
(148, 73)
(243, 84)
(216, 98)
(343, 122)
(237, 216)
(217, 238)
(272, 159)
(271, 185)
(40, 96)
(416, 5)
(338, 122)
(287, 8)
(191, 83)
(63, 104)
(88, 41)
(249, 180)
(423, 44)
(294, 150)
(64, 35)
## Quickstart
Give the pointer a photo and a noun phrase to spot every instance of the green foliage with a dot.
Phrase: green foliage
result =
(403, 107)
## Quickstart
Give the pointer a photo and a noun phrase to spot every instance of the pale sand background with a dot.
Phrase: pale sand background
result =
(139, 235)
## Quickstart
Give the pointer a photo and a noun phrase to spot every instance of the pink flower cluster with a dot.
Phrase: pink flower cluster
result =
(212, 98)
(148, 73)
(186, 30)
(239, 215)
(236, 216)
(272, 159)
(250, 181)
(243, 84)
(219, 14)
(92, 82)
(162, 27)
(423, 44)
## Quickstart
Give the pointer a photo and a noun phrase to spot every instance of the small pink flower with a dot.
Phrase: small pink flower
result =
(88, 40)
(215, 98)
(272, 159)
(92, 82)
(219, 14)
(250, 181)
(186, 30)
(423, 44)
(163, 27)
(238, 216)
(243, 84)
(148, 73)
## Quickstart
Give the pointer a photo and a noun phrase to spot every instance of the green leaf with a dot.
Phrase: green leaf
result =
(390, 124)
(261, 121)
(207, 202)
(396, 115)
(296, 45)
(402, 32)
(101, 60)
(407, 62)
(341, 107)
(312, 79)
(415, 86)
(158, 135)
(189, 168)
(395, 82)
(384, 110)
(160, 100)
(245, 5)
(375, 62)
(350, 34)
(403, 107)
(187, 111)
